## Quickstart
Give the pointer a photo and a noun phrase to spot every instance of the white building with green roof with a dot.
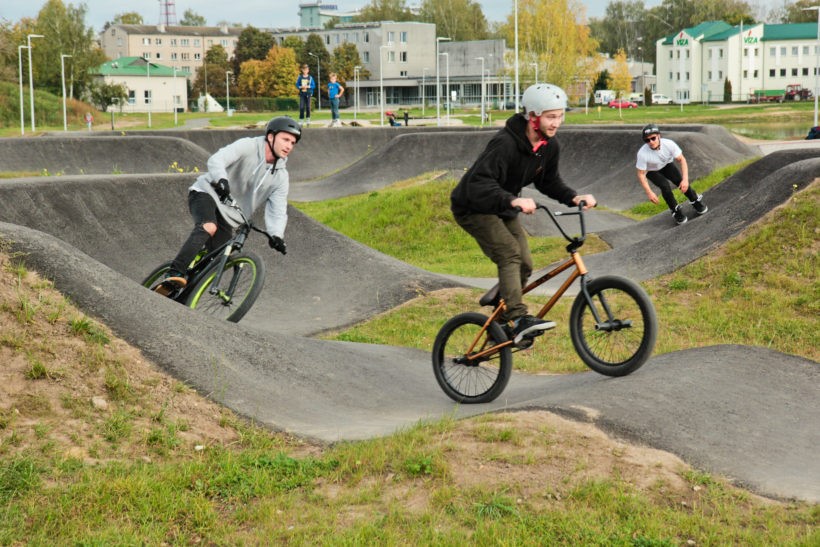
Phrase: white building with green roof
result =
(151, 87)
(693, 64)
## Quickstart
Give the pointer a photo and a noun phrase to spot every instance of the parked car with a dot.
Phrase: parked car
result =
(621, 103)
(658, 98)
(637, 97)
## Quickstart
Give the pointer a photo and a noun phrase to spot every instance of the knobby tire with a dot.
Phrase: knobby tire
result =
(249, 268)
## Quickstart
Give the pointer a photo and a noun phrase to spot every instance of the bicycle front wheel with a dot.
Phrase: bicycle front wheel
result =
(241, 283)
(468, 379)
(614, 331)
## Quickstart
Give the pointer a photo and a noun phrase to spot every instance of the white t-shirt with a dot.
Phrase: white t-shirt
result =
(655, 160)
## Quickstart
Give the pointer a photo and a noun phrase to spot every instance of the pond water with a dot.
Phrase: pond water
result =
(770, 130)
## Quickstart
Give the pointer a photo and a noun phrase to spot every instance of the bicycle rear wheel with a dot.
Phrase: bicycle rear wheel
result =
(158, 273)
(241, 283)
(465, 379)
(623, 336)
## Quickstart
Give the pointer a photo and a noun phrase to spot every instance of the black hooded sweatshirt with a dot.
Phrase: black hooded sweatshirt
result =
(506, 165)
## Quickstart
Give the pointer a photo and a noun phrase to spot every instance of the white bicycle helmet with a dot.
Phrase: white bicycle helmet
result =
(539, 98)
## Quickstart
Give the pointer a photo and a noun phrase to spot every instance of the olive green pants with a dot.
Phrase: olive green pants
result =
(505, 243)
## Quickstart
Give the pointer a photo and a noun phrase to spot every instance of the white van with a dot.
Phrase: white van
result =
(603, 96)
(658, 98)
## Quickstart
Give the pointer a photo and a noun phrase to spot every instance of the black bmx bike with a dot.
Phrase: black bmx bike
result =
(224, 282)
(612, 325)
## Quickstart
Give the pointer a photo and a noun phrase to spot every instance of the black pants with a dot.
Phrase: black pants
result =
(203, 209)
(661, 179)
(304, 106)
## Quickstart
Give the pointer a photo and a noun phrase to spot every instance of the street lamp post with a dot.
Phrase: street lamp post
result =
(439, 39)
(447, 83)
(535, 65)
(381, 85)
(517, 89)
(228, 92)
(356, 70)
(31, 76)
(173, 94)
(318, 81)
(148, 95)
(62, 79)
(817, 61)
(20, 68)
(482, 89)
(423, 92)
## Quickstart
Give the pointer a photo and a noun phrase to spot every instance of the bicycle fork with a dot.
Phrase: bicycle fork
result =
(214, 289)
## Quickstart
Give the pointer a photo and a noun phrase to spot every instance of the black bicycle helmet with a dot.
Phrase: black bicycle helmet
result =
(651, 129)
(286, 124)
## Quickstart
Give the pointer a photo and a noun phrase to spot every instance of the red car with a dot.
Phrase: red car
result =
(621, 103)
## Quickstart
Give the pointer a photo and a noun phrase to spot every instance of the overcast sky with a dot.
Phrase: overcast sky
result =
(259, 13)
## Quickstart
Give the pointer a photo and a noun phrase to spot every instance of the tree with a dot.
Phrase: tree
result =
(555, 37)
(345, 58)
(104, 95)
(252, 43)
(794, 12)
(127, 18)
(385, 10)
(272, 77)
(620, 75)
(459, 20)
(621, 27)
(727, 91)
(192, 19)
(65, 34)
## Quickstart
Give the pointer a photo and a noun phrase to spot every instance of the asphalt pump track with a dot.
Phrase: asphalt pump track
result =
(748, 413)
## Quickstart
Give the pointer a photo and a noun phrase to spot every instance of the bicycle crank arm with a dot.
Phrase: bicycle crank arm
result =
(614, 325)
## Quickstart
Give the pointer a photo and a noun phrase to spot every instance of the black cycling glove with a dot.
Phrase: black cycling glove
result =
(278, 244)
(222, 189)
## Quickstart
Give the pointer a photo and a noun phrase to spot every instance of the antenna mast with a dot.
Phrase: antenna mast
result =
(167, 13)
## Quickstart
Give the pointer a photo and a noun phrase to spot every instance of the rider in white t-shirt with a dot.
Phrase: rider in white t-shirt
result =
(656, 162)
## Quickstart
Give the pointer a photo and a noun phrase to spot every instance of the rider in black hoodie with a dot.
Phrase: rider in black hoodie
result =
(486, 201)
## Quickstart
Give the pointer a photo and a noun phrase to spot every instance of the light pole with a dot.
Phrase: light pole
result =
(173, 94)
(62, 79)
(423, 91)
(318, 81)
(228, 92)
(535, 65)
(817, 62)
(447, 83)
(31, 77)
(517, 91)
(381, 85)
(482, 89)
(643, 84)
(148, 95)
(439, 39)
(20, 67)
(356, 70)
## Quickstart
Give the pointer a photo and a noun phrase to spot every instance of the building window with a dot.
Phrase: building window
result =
(391, 56)
(403, 57)
(709, 76)
(159, 56)
(186, 69)
(327, 39)
(146, 56)
(365, 56)
(687, 53)
(794, 72)
(805, 50)
(687, 76)
(186, 56)
(158, 41)
(146, 41)
(391, 37)
(184, 42)
(132, 97)
(783, 72)
(772, 73)
(223, 43)
(173, 41)
(671, 76)
(794, 51)
(671, 54)
(805, 71)
(720, 53)
(783, 51)
(147, 96)
(403, 36)
(196, 42)
(356, 37)
(197, 56)
(720, 74)
(772, 51)
(745, 73)
(174, 56)
(403, 74)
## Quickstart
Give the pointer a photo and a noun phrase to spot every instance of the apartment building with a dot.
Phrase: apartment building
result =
(693, 64)
(176, 46)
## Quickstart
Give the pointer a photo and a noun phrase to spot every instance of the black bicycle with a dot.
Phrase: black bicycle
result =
(612, 325)
(224, 282)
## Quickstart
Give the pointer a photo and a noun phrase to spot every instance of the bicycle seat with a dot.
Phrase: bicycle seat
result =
(490, 298)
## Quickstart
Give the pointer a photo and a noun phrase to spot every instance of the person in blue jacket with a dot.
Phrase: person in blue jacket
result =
(305, 84)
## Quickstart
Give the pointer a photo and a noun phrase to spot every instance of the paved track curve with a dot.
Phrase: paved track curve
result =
(96, 235)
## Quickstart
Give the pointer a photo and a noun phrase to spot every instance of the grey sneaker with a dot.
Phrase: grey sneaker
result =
(679, 216)
(528, 326)
(698, 205)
